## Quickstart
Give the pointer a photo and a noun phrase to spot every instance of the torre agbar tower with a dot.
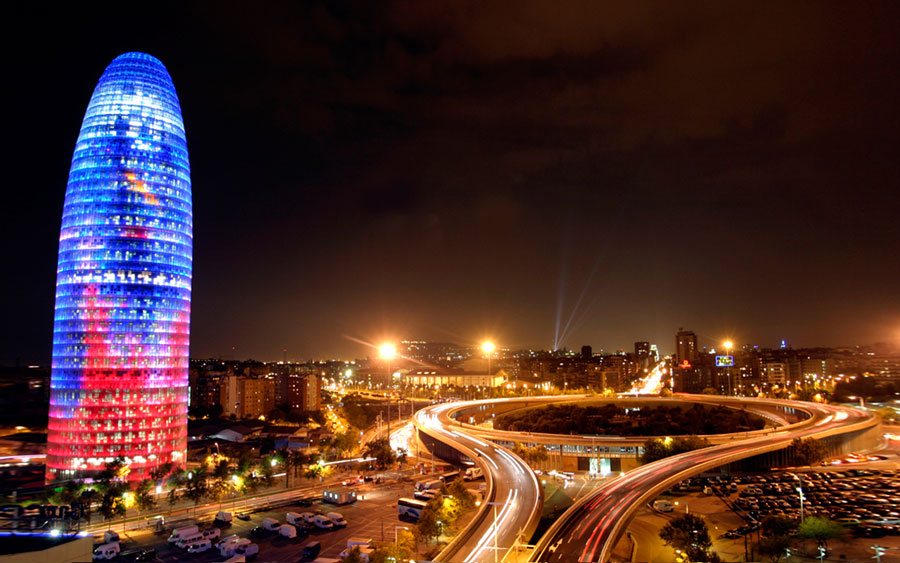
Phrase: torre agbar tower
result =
(121, 327)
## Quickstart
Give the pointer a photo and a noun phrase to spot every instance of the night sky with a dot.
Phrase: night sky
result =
(473, 169)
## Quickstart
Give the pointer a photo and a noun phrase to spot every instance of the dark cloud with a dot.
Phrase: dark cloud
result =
(399, 168)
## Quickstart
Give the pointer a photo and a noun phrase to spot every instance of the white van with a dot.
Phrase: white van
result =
(212, 534)
(224, 517)
(227, 539)
(200, 546)
(429, 485)
(337, 519)
(107, 551)
(294, 518)
(287, 531)
(323, 522)
(110, 537)
(362, 542)
(231, 548)
(180, 533)
(472, 473)
(663, 506)
(364, 552)
(188, 540)
(308, 517)
(270, 524)
(249, 550)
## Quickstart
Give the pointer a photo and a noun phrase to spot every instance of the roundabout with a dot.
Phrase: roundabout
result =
(590, 528)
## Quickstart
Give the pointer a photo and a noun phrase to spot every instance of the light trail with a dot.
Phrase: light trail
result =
(652, 384)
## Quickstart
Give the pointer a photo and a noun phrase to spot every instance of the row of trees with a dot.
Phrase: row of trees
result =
(778, 534)
(659, 448)
(689, 535)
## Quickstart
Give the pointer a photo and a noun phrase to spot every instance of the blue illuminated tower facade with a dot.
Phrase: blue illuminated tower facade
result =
(121, 332)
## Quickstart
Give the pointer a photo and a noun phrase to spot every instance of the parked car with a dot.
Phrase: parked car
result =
(311, 550)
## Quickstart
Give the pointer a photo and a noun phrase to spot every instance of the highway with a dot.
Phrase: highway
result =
(589, 530)
(514, 495)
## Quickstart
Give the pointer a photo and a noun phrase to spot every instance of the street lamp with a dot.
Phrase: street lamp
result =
(728, 344)
(488, 347)
(388, 351)
(496, 528)
(397, 535)
(800, 492)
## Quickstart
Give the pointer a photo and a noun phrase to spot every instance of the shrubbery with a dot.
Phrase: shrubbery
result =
(612, 420)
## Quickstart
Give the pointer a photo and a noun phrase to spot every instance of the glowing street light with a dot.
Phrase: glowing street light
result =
(488, 347)
(387, 351)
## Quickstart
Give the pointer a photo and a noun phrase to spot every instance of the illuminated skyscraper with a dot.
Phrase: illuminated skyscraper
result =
(123, 289)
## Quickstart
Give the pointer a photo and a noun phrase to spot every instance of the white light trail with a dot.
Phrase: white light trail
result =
(485, 456)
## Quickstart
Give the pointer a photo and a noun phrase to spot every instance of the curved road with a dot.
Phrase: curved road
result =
(514, 495)
(589, 530)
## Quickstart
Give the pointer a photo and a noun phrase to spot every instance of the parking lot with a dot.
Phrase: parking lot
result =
(373, 516)
(866, 501)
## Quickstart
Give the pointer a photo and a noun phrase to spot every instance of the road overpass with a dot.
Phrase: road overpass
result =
(589, 530)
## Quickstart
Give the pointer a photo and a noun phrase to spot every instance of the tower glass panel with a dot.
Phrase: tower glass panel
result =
(123, 289)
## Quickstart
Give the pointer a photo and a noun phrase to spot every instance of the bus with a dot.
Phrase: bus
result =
(410, 509)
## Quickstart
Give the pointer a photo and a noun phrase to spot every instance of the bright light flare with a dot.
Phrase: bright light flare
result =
(488, 347)
(387, 351)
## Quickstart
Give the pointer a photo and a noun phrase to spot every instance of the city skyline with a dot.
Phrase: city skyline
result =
(588, 176)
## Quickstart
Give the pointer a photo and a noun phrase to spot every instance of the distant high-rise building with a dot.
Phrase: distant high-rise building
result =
(685, 347)
(587, 353)
(247, 397)
(641, 349)
(121, 326)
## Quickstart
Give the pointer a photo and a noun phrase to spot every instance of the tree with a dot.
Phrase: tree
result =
(89, 496)
(381, 451)
(265, 472)
(821, 530)
(112, 503)
(688, 533)
(176, 483)
(404, 549)
(143, 496)
(537, 454)
(654, 449)
(777, 526)
(808, 451)
(313, 471)
(429, 525)
(196, 486)
(402, 455)
(354, 556)
(160, 472)
(657, 448)
(458, 490)
(774, 547)
(68, 493)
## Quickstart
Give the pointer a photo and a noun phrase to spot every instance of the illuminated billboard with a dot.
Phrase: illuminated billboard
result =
(724, 361)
